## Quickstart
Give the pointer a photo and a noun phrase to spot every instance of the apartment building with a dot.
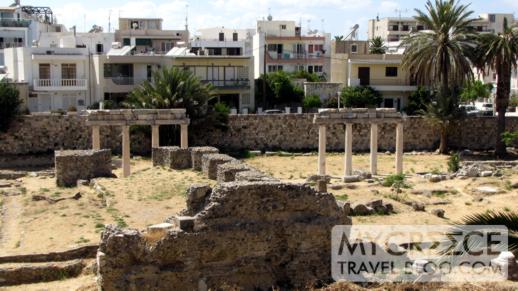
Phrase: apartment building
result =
(57, 69)
(279, 45)
(147, 36)
(220, 41)
(393, 29)
(21, 25)
(353, 66)
(232, 76)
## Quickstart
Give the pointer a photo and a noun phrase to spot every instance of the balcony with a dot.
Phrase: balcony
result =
(14, 23)
(60, 84)
(122, 84)
(229, 84)
(386, 84)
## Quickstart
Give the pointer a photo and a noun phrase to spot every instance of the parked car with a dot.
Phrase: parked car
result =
(273, 111)
(471, 110)
(486, 109)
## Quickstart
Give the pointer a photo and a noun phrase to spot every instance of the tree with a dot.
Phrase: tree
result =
(360, 97)
(96, 29)
(312, 101)
(279, 89)
(9, 104)
(339, 37)
(173, 88)
(377, 46)
(439, 57)
(418, 101)
(475, 90)
(303, 74)
(500, 52)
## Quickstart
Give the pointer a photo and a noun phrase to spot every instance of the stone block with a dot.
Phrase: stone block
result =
(185, 223)
(172, 157)
(210, 164)
(253, 176)
(197, 153)
(197, 195)
(227, 172)
(74, 165)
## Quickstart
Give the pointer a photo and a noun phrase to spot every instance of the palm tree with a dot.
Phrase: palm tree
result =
(377, 46)
(500, 52)
(438, 57)
(173, 88)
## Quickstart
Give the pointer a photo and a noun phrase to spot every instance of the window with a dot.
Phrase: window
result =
(99, 48)
(395, 27)
(354, 48)
(391, 72)
(388, 103)
(44, 71)
(68, 71)
(80, 102)
(406, 28)
(234, 36)
(272, 47)
(310, 48)
(221, 36)
(274, 68)
(420, 27)
(317, 69)
(492, 18)
(283, 26)
(233, 51)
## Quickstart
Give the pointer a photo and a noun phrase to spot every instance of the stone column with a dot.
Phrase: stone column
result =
(322, 150)
(399, 148)
(348, 149)
(126, 151)
(184, 142)
(96, 137)
(155, 136)
(374, 148)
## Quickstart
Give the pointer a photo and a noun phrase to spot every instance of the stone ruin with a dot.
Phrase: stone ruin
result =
(74, 165)
(252, 232)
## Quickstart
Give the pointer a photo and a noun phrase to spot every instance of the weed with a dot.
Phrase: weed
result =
(343, 197)
(454, 163)
(395, 181)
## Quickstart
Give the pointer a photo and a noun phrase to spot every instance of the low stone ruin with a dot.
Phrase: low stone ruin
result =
(210, 164)
(472, 169)
(74, 165)
(197, 153)
(370, 208)
(172, 157)
(254, 235)
(227, 171)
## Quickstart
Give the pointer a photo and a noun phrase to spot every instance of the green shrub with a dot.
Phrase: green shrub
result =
(331, 102)
(361, 97)
(454, 163)
(509, 137)
(9, 104)
(312, 101)
(72, 109)
(397, 180)
(221, 107)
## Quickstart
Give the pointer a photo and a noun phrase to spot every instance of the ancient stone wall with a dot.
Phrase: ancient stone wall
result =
(254, 235)
(73, 165)
(40, 134)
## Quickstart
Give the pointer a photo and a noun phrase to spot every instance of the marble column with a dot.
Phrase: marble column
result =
(96, 137)
(348, 149)
(322, 150)
(374, 149)
(399, 148)
(126, 151)
(184, 142)
(155, 136)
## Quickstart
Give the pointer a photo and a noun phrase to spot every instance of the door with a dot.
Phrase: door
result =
(364, 74)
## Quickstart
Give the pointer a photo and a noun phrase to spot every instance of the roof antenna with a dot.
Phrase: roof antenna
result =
(186, 16)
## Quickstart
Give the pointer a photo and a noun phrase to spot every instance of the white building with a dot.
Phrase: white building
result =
(288, 50)
(220, 41)
(58, 69)
(21, 25)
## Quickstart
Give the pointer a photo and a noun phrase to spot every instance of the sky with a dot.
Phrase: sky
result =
(331, 16)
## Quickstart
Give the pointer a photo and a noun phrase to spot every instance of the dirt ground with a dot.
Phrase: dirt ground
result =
(457, 197)
(148, 196)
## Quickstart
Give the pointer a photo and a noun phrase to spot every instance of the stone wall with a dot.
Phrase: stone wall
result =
(42, 134)
(251, 235)
(74, 165)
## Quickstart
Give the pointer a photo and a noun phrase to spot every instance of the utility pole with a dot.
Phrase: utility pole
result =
(264, 75)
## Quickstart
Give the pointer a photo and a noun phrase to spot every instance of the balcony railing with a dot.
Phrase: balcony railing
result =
(389, 81)
(14, 23)
(244, 83)
(126, 81)
(60, 84)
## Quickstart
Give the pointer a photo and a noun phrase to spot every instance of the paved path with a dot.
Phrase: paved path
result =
(10, 232)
